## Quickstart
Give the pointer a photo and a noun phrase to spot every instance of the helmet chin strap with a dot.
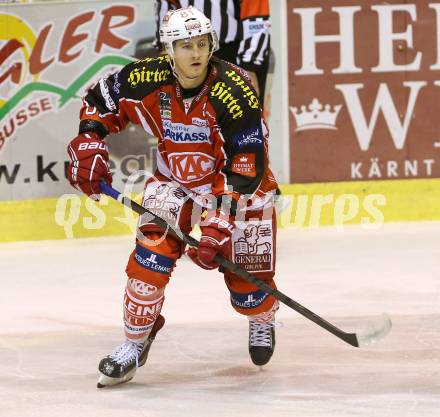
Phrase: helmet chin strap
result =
(180, 78)
(170, 52)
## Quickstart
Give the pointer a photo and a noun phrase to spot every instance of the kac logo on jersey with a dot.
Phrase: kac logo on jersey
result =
(191, 166)
(181, 133)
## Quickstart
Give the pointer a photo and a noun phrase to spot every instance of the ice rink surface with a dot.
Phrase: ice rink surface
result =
(61, 306)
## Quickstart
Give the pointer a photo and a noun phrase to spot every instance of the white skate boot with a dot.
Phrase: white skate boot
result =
(122, 364)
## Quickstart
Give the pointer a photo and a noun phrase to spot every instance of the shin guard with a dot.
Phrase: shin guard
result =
(149, 269)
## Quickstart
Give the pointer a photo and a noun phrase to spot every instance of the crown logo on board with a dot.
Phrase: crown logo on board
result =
(315, 116)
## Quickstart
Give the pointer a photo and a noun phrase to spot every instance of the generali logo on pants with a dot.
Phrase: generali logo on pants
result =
(191, 166)
(253, 246)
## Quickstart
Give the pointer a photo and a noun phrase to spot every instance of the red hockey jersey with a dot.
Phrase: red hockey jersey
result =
(216, 146)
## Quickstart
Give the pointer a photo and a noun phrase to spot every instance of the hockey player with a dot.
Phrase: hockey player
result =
(212, 155)
(243, 27)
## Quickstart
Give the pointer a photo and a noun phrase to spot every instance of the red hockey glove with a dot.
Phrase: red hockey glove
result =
(215, 235)
(88, 163)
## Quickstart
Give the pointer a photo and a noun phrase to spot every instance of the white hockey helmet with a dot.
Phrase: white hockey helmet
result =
(186, 23)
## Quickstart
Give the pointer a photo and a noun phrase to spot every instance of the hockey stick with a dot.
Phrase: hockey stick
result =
(375, 331)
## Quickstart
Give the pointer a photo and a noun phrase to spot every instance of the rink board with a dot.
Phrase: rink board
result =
(309, 205)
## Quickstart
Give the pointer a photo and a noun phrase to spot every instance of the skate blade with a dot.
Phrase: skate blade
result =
(106, 381)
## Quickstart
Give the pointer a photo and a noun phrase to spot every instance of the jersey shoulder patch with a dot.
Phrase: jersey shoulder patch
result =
(232, 93)
(141, 78)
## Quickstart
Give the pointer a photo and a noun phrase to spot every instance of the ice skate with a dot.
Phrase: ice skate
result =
(261, 342)
(122, 364)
